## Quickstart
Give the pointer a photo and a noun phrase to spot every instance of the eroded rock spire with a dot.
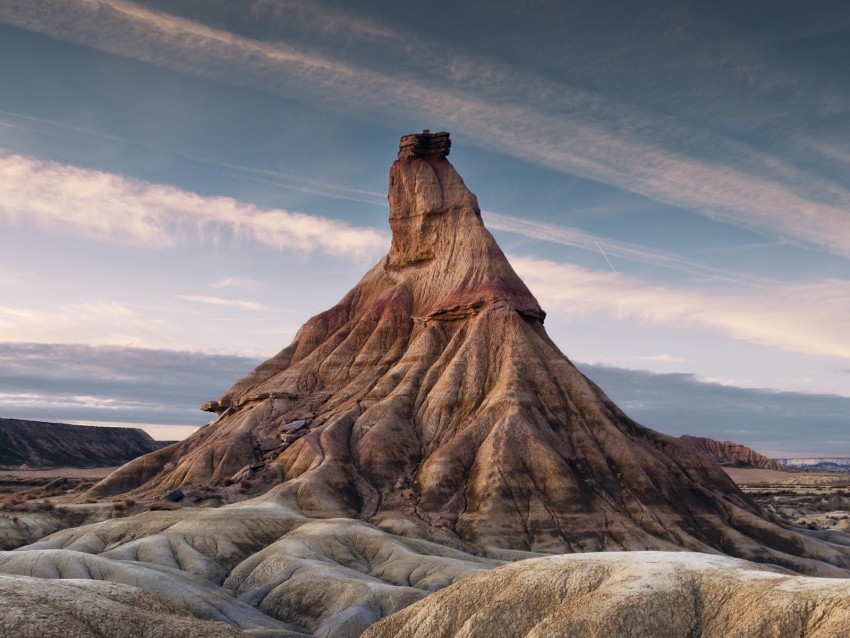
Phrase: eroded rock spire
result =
(431, 402)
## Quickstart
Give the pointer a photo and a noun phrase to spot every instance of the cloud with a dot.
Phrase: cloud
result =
(621, 250)
(231, 303)
(100, 322)
(244, 283)
(12, 277)
(810, 318)
(502, 107)
(663, 358)
(282, 179)
(62, 382)
(107, 207)
(773, 423)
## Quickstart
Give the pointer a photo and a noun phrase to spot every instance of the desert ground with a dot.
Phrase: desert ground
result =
(35, 503)
(817, 500)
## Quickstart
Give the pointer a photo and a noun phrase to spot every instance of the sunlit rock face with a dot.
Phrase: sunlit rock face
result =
(431, 402)
(729, 454)
(659, 594)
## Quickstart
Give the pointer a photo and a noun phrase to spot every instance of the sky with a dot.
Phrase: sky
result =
(183, 183)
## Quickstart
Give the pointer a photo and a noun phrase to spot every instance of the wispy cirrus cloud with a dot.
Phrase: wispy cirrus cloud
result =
(100, 322)
(499, 106)
(109, 207)
(12, 276)
(663, 358)
(243, 283)
(277, 178)
(622, 250)
(809, 318)
(241, 304)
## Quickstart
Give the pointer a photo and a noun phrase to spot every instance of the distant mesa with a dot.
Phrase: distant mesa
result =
(728, 454)
(431, 403)
(41, 445)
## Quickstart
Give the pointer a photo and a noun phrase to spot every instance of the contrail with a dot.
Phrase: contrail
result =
(606, 257)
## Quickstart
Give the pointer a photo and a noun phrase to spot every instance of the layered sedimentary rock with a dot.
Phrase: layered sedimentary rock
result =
(730, 454)
(431, 402)
(256, 565)
(37, 444)
(42, 608)
(617, 595)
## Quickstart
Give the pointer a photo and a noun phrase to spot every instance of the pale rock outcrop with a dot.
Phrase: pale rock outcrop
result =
(190, 593)
(45, 608)
(255, 565)
(623, 595)
(435, 405)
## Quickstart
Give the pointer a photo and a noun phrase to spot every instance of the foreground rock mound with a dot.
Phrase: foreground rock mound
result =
(728, 454)
(37, 444)
(659, 594)
(256, 566)
(431, 402)
(41, 608)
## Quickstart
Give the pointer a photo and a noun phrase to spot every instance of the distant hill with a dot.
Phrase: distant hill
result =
(42, 445)
(819, 464)
(730, 454)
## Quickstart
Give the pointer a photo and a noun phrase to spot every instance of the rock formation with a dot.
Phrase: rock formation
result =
(728, 454)
(37, 444)
(255, 565)
(431, 402)
(620, 595)
(42, 608)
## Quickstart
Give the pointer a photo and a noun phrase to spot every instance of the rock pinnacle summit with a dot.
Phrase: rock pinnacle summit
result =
(424, 144)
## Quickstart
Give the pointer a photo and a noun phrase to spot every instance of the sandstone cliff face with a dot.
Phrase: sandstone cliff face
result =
(658, 594)
(431, 402)
(730, 454)
(41, 445)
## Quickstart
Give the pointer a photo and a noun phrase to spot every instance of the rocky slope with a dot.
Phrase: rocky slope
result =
(41, 608)
(659, 594)
(255, 565)
(730, 454)
(431, 402)
(41, 445)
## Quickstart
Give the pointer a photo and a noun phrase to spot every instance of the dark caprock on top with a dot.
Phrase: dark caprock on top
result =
(424, 144)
